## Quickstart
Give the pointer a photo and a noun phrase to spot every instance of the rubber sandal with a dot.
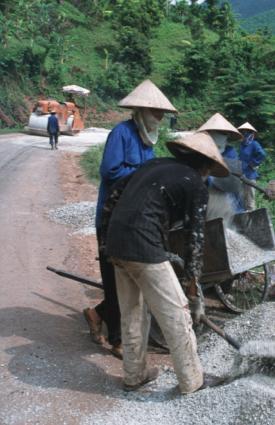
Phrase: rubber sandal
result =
(95, 328)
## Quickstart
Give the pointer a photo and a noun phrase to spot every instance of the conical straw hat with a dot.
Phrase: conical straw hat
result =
(204, 144)
(247, 126)
(147, 95)
(218, 123)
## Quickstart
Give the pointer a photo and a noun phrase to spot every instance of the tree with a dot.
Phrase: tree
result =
(133, 34)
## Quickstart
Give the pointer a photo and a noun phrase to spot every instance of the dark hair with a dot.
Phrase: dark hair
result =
(196, 160)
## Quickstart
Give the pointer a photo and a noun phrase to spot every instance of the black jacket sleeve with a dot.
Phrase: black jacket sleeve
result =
(194, 260)
(109, 205)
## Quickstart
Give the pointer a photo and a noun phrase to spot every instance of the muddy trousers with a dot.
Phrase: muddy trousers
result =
(155, 287)
(249, 197)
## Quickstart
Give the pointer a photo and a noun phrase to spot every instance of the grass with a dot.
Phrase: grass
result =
(86, 50)
(168, 46)
(267, 173)
(11, 130)
(167, 49)
(90, 162)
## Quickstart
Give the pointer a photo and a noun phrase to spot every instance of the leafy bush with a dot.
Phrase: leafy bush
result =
(267, 173)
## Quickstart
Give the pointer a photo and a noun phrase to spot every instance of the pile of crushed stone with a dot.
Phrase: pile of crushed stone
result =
(242, 252)
(247, 397)
(80, 215)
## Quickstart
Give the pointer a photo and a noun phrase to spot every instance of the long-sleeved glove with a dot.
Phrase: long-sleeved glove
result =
(196, 300)
(175, 259)
(196, 306)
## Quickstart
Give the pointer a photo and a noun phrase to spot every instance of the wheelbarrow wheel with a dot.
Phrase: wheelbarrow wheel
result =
(245, 290)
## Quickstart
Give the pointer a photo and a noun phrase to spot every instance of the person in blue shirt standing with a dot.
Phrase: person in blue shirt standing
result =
(129, 145)
(53, 129)
(251, 155)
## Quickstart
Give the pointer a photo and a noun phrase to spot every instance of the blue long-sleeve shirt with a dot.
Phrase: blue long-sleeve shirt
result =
(53, 126)
(251, 155)
(124, 152)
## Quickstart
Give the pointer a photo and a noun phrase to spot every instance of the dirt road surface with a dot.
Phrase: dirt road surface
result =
(50, 372)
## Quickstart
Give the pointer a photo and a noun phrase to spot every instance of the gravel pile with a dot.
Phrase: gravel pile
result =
(244, 253)
(80, 215)
(248, 397)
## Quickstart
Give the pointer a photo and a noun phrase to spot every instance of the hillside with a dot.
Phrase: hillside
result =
(196, 54)
(255, 14)
(262, 20)
(248, 8)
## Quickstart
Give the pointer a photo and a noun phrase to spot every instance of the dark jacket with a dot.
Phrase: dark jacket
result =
(162, 192)
(53, 125)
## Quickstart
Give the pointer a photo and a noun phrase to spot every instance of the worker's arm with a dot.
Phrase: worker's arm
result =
(194, 260)
(258, 155)
(123, 154)
(108, 208)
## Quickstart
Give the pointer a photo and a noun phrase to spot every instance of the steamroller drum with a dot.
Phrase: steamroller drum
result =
(246, 290)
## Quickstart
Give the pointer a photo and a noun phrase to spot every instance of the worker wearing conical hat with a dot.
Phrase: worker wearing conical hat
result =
(129, 145)
(251, 155)
(226, 194)
(220, 129)
(159, 194)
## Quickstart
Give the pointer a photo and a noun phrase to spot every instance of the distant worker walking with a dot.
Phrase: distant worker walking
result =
(251, 154)
(53, 129)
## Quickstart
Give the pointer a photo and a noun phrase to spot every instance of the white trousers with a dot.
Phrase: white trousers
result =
(155, 285)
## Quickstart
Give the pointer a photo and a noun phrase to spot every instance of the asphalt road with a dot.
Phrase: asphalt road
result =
(50, 372)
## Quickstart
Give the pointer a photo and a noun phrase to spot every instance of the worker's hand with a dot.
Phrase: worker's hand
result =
(196, 306)
(175, 259)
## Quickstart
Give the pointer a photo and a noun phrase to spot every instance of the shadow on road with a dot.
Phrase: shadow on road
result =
(59, 355)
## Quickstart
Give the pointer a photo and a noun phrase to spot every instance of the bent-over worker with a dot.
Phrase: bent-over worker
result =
(159, 194)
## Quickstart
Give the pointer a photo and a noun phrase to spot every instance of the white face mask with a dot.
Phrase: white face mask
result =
(220, 140)
(148, 125)
(150, 121)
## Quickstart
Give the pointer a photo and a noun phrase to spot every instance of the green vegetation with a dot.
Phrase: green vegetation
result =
(90, 161)
(267, 173)
(265, 20)
(249, 8)
(197, 54)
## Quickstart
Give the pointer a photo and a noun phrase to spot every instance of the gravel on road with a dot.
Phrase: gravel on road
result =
(248, 397)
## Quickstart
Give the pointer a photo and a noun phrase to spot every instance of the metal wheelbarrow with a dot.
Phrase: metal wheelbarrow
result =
(236, 259)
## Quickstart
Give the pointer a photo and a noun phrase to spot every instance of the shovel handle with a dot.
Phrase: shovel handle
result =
(220, 332)
(250, 183)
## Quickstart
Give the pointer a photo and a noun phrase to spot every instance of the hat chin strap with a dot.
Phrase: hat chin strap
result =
(144, 119)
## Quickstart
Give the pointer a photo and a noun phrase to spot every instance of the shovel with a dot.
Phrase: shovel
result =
(220, 332)
(259, 349)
